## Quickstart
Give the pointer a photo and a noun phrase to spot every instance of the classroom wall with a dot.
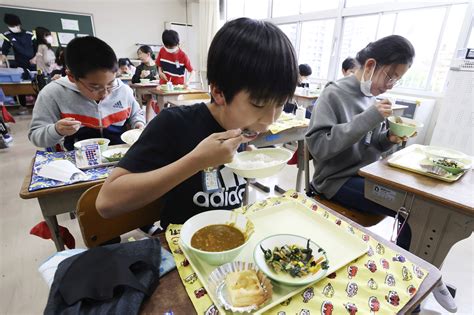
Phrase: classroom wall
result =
(121, 23)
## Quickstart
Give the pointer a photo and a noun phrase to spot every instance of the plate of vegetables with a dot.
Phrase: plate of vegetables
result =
(115, 154)
(291, 259)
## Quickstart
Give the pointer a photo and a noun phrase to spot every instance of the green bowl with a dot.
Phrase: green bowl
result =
(405, 129)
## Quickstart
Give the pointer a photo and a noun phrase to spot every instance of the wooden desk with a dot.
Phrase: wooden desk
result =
(171, 294)
(54, 201)
(17, 88)
(441, 215)
(163, 97)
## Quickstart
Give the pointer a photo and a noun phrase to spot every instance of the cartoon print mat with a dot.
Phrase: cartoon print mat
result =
(381, 282)
(43, 157)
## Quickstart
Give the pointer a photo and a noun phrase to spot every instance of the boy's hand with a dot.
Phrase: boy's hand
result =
(67, 126)
(139, 125)
(384, 107)
(397, 139)
(163, 76)
(217, 149)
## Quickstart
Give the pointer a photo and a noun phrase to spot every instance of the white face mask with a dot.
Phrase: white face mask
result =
(172, 50)
(49, 39)
(366, 85)
(15, 29)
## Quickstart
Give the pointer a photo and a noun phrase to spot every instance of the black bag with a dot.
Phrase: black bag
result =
(39, 81)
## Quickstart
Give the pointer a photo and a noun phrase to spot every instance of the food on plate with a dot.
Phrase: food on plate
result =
(117, 155)
(260, 160)
(294, 260)
(217, 238)
(100, 142)
(447, 162)
(452, 166)
(244, 288)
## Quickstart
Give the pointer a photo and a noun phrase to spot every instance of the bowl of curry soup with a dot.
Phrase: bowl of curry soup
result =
(217, 236)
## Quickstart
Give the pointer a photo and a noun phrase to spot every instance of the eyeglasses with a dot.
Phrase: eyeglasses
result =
(391, 81)
(97, 90)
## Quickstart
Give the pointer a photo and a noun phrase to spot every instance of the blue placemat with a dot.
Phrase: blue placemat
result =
(43, 157)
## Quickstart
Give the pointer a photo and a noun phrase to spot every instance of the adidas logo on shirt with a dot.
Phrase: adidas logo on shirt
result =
(118, 105)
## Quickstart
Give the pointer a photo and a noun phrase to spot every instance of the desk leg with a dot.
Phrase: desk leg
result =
(435, 229)
(52, 222)
(300, 164)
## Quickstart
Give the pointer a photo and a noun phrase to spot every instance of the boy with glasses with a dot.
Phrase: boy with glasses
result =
(88, 103)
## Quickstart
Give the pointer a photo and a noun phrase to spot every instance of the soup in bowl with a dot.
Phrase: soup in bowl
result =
(217, 236)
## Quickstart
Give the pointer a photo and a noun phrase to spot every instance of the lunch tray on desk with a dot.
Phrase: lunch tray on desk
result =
(409, 159)
(289, 217)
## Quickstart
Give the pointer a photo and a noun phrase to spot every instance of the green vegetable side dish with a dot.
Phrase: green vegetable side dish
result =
(118, 155)
(449, 165)
(294, 260)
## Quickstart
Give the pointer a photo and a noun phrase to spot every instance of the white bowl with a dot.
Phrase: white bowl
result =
(249, 165)
(279, 240)
(441, 153)
(110, 152)
(103, 147)
(144, 80)
(131, 136)
(203, 219)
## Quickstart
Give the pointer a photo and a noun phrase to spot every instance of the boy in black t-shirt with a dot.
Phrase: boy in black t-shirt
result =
(252, 72)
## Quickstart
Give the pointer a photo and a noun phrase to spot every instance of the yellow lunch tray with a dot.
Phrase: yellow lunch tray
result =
(409, 159)
(289, 217)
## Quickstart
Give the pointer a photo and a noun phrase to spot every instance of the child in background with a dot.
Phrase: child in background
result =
(45, 57)
(172, 62)
(264, 71)
(305, 71)
(147, 69)
(126, 68)
(60, 70)
(349, 66)
(89, 103)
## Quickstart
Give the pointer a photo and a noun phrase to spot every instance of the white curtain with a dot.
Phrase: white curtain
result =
(208, 27)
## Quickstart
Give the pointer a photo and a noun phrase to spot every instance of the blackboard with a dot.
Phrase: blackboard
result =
(32, 18)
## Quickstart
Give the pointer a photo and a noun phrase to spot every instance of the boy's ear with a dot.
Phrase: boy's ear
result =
(70, 76)
(217, 95)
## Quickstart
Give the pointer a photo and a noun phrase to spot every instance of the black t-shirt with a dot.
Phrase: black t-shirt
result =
(172, 134)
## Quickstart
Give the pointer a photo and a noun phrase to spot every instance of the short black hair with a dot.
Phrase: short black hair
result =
(124, 62)
(60, 52)
(349, 63)
(11, 19)
(41, 33)
(170, 38)
(253, 56)
(305, 70)
(147, 50)
(87, 54)
(389, 50)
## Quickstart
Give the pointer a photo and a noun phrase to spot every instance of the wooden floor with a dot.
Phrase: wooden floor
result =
(23, 291)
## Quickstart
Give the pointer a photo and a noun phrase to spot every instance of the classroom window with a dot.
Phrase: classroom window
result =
(255, 9)
(424, 36)
(308, 6)
(291, 31)
(386, 24)
(447, 47)
(357, 33)
(316, 46)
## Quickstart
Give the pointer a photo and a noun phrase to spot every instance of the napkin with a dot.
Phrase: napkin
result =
(63, 171)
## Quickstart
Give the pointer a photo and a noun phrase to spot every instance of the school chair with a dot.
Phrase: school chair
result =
(364, 219)
(96, 230)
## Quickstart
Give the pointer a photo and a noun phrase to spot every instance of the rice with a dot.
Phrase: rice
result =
(259, 160)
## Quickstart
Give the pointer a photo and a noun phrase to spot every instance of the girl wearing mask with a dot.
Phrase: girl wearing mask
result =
(347, 129)
(45, 57)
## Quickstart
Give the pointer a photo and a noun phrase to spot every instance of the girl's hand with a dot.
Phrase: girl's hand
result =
(384, 107)
(217, 149)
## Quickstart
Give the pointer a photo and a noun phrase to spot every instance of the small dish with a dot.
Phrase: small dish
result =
(404, 128)
(217, 285)
(280, 240)
(260, 163)
(144, 80)
(443, 153)
(115, 154)
(131, 136)
(102, 142)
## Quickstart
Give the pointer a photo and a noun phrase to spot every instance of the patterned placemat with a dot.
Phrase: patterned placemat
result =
(380, 282)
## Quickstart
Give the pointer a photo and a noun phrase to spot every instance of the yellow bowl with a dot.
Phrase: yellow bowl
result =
(204, 219)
